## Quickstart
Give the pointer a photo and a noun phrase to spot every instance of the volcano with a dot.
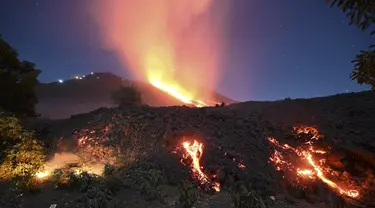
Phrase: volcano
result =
(88, 93)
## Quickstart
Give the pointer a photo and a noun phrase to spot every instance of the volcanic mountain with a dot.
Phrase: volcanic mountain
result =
(90, 92)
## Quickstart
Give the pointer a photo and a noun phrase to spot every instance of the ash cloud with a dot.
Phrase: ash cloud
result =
(174, 42)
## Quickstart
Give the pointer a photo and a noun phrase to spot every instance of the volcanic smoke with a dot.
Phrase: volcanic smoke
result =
(174, 45)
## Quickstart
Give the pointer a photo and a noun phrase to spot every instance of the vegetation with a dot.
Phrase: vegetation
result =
(17, 82)
(362, 14)
(127, 96)
(188, 195)
(21, 156)
(244, 196)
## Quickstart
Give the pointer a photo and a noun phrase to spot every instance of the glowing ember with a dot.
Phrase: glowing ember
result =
(306, 153)
(195, 151)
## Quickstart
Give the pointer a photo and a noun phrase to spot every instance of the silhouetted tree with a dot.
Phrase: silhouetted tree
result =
(127, 96)
(362, 14)
(17, 82)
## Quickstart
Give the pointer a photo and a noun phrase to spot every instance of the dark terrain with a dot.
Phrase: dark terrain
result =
(146, 138)
(75, 96)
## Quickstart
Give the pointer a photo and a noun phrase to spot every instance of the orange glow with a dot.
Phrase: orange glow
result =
(306, 153)
(60, 160)
(195, 151)
(173, 45)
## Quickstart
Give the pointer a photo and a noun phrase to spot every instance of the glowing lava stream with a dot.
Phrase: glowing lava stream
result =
(195, 152)
(176, 92)
(306, 154)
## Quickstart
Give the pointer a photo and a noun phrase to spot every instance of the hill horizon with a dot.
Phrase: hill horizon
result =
(90, 92)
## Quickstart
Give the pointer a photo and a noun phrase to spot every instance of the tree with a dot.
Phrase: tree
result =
(21, 156)
(17, 82)
(364, 68)
(127, 96)
(362, 14)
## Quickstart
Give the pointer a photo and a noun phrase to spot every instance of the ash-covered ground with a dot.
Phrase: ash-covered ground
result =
(142, 141)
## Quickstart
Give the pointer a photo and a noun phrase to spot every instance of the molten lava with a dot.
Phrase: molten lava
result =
(312, 168)
(176, 91)
(194, 152)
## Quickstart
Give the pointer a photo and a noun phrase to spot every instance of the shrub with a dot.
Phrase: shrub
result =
(245, 197)
(109, 170)
(127, 96)
(21, 156)
(188, 195)
(96, 197)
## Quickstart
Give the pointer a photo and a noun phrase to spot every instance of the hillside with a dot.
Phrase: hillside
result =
(239, 152)
(61, 100)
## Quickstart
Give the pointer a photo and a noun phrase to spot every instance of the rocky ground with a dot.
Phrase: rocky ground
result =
(142, 142)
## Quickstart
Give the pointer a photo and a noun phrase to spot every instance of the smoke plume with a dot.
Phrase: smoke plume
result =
(172, 44)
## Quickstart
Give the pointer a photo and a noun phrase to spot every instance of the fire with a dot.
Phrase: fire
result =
(174, 45)
(195, 151)
(64, 160)
(306, 153)
(42, 174)
(176, 91)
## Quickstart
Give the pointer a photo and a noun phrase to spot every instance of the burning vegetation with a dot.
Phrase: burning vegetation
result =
(308, 162)
(192, 154)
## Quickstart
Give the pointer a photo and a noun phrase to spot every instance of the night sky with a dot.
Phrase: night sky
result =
(275, 48)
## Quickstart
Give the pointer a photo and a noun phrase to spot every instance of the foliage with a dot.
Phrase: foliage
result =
(97, 197)
(150, 185)
(188, 194)
(127, 96)
(244, 197)
(362, 14)
(83, 181)
(109, 170)
(20, 154)
(17, 82)
(10, 197)
(364, 68)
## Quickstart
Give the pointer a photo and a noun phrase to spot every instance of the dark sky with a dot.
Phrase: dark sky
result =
(275, 48)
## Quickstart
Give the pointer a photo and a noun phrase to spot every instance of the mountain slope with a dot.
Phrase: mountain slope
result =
(61, 100)
(148, 139)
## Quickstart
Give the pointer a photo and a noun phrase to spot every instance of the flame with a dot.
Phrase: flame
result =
(60, 160)
(195, 151)
(174, 45)
(42, 174)
(306, 153)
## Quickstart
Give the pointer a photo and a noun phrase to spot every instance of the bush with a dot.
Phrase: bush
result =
(21, 156)
(188, 195)
(127, 96)
(245, 197)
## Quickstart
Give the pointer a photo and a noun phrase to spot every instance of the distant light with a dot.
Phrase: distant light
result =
(92, 72)
(83, 76)
(97, 77)
(80, 77)
(77, 77)
(61, 81)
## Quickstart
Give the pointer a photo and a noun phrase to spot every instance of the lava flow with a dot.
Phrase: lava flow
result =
(194, 152)
(307, 166)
